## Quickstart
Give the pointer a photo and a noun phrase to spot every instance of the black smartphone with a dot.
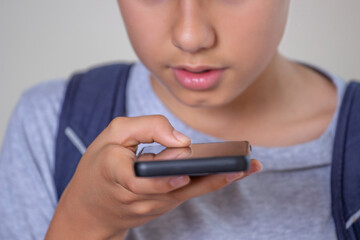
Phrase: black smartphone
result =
(197, 159)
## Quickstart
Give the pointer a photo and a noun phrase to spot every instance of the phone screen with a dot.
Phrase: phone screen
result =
(200, 150)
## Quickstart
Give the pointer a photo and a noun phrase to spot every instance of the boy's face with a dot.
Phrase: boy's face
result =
(205, 52)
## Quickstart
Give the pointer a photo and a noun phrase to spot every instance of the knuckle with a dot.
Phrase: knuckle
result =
(143, 209)
(116, 151)
(161, 124)
(116, 123)
(126, 198)
(114, 161)
(106, 158)
(160, 117)
(131, 186)
(159, 120)
(109, 151)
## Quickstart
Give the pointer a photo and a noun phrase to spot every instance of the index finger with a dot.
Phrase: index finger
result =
(130, 131)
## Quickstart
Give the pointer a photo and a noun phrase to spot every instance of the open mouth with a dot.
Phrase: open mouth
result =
(203, 79)
(204, 71)
(197, 71)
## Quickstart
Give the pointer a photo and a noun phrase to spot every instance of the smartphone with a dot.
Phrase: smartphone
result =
(197, 159)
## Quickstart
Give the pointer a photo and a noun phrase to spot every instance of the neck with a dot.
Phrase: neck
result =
(262, 106)
(267, 90)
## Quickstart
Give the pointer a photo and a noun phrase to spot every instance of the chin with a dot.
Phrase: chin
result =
(212, 102)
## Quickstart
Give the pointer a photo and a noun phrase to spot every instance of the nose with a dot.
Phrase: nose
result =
(192, 31)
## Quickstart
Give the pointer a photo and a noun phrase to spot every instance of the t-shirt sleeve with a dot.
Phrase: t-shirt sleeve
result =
(27, 192)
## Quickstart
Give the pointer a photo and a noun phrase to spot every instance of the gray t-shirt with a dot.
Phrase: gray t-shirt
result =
(289, 199)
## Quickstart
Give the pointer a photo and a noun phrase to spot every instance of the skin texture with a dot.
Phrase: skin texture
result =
(104, 199)
(241, 36)
(260, 96)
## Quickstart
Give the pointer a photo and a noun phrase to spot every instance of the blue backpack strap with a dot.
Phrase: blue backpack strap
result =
(92, 100)
(345, 172)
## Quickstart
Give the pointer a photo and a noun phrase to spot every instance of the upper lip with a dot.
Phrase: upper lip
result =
(196, 69)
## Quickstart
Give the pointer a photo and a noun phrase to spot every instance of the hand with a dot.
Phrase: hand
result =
(104, 199)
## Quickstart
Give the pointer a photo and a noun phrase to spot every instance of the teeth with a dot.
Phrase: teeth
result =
(204, 71)
(198, 72)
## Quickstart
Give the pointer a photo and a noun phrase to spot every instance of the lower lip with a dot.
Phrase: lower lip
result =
(198, 81)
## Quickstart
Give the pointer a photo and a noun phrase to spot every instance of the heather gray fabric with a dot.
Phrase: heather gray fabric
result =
(289, 199)
(27, 192)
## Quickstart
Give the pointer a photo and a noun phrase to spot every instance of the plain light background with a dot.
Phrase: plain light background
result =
(44, 39)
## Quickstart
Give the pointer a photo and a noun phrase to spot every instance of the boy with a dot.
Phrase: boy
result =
(211, 70)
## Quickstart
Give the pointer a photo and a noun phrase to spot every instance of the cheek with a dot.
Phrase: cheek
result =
(247, 40)
(146, 29)
(254, 41)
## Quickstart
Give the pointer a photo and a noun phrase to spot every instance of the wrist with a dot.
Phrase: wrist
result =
(73, 221)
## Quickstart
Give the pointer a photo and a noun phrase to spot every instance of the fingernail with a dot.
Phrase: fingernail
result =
(234, 176)
(255, 169)
(181, 137)
(177, 182)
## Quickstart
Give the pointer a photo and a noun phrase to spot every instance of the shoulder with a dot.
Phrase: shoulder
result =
(27, 161)
(39, 108)
(47, 94)
(32, 129)
(41, 103)
(34, 121)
